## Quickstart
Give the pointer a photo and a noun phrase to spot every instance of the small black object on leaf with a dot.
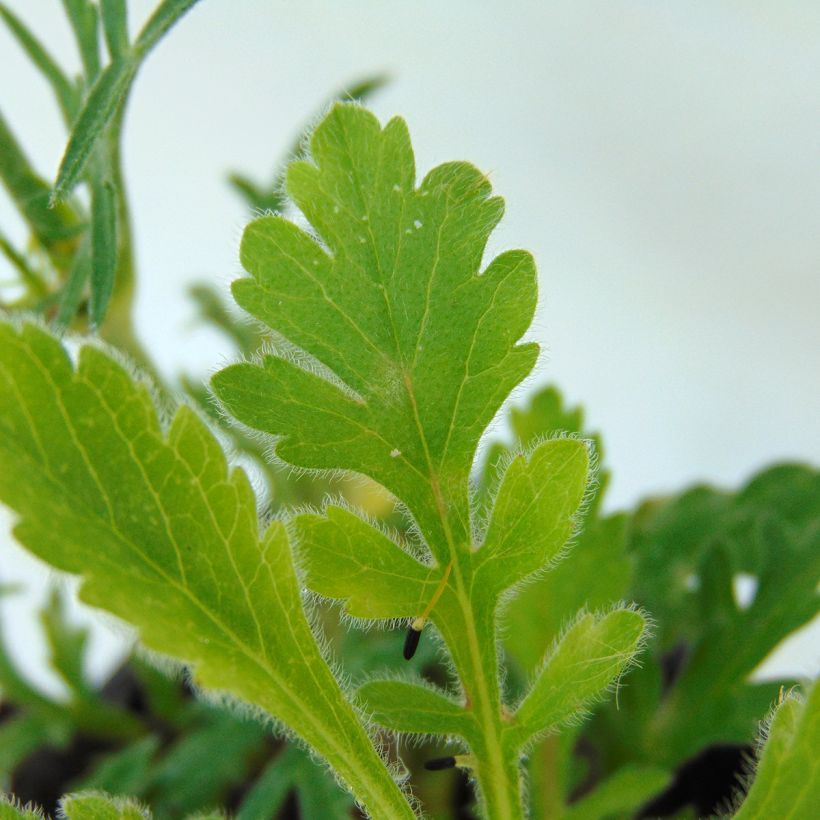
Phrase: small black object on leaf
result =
(411, 642)
(438, 763)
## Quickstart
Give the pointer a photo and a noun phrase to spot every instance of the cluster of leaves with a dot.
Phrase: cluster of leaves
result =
(382, 354)
(144, 735)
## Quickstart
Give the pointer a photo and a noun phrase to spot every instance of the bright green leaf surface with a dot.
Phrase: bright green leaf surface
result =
(167, 538)
(396, 308)
(415, 709)
(533, 513)
(348, 558)
(787, 781)
(394, 351)
(102, 807)
(588, 659)
(9, 810)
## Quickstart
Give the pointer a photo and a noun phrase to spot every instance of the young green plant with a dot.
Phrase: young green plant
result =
(395, 351)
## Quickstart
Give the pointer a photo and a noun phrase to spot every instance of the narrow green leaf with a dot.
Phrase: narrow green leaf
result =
(317, 792)
(63, 90)
(787, 781)
(105, 97)
(28, 276)
(347, 558)
(409, 707)
(273, 786)
(74, 287)
(20, 735)
(125, 772)
(620, 794)
(84, 18)
(115, 26)
(164, 17)
(66, 645)
(110, 89)
(103, 247)
(204, 764)
(166, 537)
(533, 513)
(587, 660)
(30, 193)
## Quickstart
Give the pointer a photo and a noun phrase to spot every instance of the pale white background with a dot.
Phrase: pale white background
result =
(662, 160)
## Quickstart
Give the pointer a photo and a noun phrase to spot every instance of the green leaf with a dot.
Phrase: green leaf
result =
(347, 558)
(628, 788)
(19, 737)
(101, 807)
(30, 194)
(66, 644)
(317, 792)
(415, 709)
(688, 552)
(110, 89)
(84, 19)
(115, 26)
(394, 350)
(165, 16)
(125, 772)
(11, 810)
(103, 246)
(396, 309)
(166, 537)
(105, 97)
(72, 294)
(204, 764)
(63, 90)
(532, 517)
(272, 197)
(586, 662)
(787, 781)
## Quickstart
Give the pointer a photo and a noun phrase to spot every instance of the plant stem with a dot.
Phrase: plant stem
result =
(470, 634)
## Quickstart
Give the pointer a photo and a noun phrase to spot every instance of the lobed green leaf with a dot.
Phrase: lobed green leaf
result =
(422, 344)
(167, 538)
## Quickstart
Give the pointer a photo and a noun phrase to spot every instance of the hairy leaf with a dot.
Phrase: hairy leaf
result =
(396, 308)
(166, 537)
(409, 707)
(394, 350)
(787, 781)
(587, 660)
